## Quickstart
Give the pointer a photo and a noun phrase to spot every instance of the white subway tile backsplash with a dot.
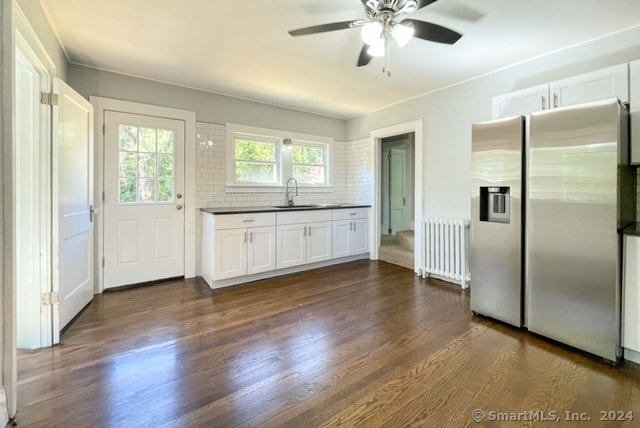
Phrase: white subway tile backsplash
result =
(347, 158)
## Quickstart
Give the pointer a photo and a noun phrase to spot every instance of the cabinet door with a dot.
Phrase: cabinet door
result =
(319, 241)
(631, 309)
(261, 251)
(597, 85)
(291, 247)
(634, 98)
(521, 102)
(359, 239)
(341, 232)
(230, 253)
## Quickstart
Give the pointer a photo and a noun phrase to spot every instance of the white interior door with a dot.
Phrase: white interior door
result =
(143, 198)
(73, 204)
(32, 200)
(398, 197)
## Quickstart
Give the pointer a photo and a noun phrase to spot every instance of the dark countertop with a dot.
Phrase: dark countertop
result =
(246, 210)
(633, 229)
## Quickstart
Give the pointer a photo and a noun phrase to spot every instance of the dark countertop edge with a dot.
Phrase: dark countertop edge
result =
(248, 210)
(632, 230)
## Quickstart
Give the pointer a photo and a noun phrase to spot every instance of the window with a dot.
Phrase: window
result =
(309, 163)
(258, 161)
(146, 157)
(255, 160)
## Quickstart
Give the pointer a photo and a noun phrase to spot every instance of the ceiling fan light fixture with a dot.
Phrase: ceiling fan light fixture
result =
(377, 49)
(372, 32)
(402, 33)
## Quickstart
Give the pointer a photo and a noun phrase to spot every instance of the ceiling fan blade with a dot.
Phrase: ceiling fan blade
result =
(433, 32)
(364, 57)
(323, 28)
(423, 3)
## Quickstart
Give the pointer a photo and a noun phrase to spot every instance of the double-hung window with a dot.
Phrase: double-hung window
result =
(255, 160)
(309, 163)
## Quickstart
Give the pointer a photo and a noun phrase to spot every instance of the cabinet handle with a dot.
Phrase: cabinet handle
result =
(555, 100)
(249, 220)
(354, 226)
(309, 230)
(353, 213)
(305, 231)
(245, 237)
(250, 236)
(544, 102)
(350, 226)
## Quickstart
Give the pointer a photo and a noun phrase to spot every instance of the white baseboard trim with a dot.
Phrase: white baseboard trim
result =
(632, 355)
(4, 414)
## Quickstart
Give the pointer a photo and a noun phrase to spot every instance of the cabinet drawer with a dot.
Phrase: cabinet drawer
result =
(235, 221)
(350, 213)
(311, 216)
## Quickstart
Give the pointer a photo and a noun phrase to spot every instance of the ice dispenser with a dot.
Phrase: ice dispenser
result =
(495, 204)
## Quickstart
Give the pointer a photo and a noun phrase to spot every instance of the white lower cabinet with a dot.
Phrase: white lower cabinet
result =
(302, 243)
(631, 299)
(350, 232)
(235, 246)
(236, 249)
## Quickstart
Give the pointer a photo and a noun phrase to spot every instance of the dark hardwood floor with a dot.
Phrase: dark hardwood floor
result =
(361, 344)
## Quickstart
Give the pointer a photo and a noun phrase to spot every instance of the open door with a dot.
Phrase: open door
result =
(72, 206)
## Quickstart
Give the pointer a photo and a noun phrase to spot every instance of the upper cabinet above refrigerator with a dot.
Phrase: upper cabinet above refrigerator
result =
(611, 82)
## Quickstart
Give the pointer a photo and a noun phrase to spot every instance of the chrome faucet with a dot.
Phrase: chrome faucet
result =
(288, 196)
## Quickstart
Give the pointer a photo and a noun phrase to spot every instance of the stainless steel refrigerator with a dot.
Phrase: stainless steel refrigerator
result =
(496, 221)
(580, 196)
(557, 268)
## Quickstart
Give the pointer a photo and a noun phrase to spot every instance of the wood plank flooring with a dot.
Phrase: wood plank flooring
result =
(361, 344)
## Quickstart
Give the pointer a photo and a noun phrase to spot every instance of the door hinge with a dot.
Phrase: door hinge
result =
(104, 129)
(103, 196)
(103, 262)
(48, 98)
(50, 298)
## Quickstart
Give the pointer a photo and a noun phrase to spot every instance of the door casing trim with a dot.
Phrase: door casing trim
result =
(375, 144)
(101, 105)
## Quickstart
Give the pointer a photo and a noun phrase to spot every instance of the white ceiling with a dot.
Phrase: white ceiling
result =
(242, 48)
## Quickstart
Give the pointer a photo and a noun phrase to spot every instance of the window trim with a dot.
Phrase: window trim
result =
(283, 159)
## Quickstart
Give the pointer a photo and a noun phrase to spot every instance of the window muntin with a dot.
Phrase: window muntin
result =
(146, 165)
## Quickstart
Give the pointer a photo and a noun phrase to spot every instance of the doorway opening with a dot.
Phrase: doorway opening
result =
(397, 162)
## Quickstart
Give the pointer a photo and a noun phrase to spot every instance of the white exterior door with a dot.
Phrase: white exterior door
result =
(144, 198)
(73, 205)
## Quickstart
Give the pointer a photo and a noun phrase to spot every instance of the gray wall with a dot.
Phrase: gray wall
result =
(211, 108)
(448, 114)
(38, 20)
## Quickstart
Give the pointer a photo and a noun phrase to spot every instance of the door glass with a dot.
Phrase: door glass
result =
(146, 159)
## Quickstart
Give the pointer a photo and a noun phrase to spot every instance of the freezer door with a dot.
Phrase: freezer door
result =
(573, 244)
(496, 219)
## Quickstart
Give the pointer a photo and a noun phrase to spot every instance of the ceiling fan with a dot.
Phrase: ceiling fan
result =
(384, 21)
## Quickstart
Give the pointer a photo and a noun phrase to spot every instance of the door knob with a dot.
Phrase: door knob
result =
(178, 207)
(179, 196)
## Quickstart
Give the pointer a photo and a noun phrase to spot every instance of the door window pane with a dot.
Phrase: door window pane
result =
(146, 176)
